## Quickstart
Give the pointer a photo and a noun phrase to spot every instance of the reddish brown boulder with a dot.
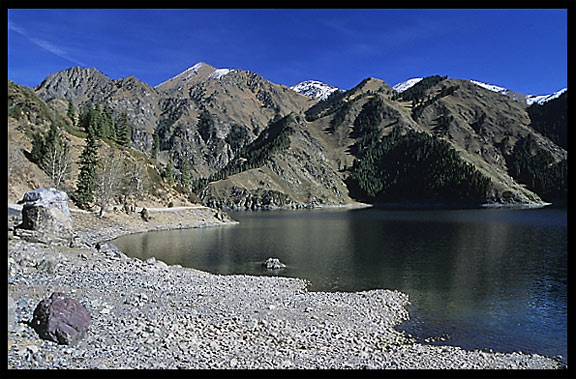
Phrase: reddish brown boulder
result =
(61, 319)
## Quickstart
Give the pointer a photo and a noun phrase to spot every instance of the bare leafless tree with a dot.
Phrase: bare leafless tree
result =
(58, 162)
(111, 169)
(135, 180)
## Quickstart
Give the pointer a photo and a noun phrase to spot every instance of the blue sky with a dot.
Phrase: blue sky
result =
(520, 49)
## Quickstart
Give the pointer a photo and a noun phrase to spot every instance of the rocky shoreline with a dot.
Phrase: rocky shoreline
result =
(148, 315)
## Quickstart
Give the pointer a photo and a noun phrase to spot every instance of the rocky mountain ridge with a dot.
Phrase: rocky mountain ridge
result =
(214, 119)
(522, 98)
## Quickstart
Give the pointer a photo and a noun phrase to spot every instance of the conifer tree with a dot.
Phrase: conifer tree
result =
(123, 130)
(88, 165)
(97, 119)
(70, 111)
(168, 174)
(185, 175)
(107, 124)
(155, 146)
(88, 118)
(38, 147)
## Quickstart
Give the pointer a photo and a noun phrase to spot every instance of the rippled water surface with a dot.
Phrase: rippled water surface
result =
(489, 278)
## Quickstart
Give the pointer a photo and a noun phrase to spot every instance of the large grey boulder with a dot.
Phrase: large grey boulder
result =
(61, 319)
(46, 211)
(47, 198)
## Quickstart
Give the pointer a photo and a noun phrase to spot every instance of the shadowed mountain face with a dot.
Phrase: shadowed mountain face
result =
(253, 144)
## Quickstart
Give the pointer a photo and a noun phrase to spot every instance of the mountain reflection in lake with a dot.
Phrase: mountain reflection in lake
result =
(489, 278)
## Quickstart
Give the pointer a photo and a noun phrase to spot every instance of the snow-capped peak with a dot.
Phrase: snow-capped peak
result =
(531, 99)
(403, 86)
(199, 72)
(315, 89)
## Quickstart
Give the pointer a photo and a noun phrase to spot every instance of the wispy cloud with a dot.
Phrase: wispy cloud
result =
(395, 33)
(48, 46)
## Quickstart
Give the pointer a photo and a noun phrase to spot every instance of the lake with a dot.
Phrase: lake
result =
(484, 278)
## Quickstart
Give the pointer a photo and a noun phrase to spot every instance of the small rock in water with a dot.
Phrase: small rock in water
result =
(273, 264)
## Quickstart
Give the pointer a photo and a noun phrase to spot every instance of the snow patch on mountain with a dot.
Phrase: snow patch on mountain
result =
(519, 97)
(403, 86)
(186, 74)
(219, 73)
(531, 99)
(527, 99)
(191, 71)
(491, 87)
(315, 89)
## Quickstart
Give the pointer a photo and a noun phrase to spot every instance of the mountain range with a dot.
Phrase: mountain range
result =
(320, 90)
(254, 144)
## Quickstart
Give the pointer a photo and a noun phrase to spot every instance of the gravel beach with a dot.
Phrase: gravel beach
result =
(148, 315)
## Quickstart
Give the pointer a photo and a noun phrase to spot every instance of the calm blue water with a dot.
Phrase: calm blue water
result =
(489, 278)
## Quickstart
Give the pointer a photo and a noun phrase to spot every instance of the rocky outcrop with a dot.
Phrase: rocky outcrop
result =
(61, 319)
(46, 212)
(239, 198)
(89, 85)
(76, 83)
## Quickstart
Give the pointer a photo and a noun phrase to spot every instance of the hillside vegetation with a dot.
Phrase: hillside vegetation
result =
(32, 124)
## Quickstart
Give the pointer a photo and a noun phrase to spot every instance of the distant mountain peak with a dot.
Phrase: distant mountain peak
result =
(314, 89)
(199, 72)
